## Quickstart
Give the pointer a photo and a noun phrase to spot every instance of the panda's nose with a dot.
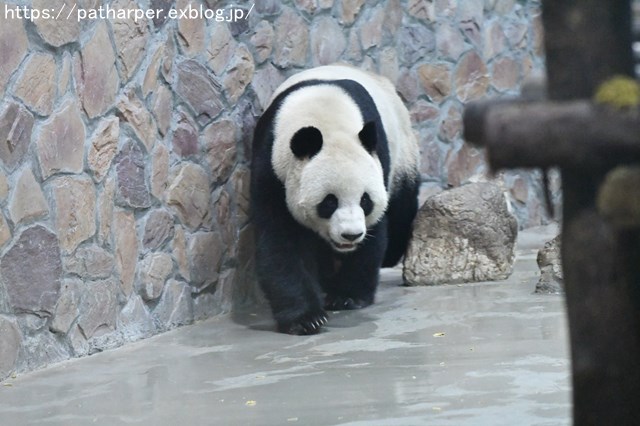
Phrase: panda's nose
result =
(351, 237)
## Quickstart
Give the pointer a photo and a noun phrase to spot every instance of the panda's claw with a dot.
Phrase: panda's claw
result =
(338, 303)
(312, 324)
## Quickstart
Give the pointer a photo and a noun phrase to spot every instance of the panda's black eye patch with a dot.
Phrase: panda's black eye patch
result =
(366, 204)
(327, 206)
(306, 142)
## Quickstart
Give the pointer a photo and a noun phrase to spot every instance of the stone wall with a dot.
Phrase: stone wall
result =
(123, 176)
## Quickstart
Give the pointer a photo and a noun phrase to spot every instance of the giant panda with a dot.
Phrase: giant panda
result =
(333, 192)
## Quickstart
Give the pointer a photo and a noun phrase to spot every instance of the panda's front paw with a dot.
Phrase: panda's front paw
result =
(308, 324)
(339, 303)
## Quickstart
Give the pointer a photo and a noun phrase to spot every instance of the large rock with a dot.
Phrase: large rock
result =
(159, 171)
(90, 262)
(327, 41)
(103, 147)
(75, 206)
(67, 309)
(220, 50)
(371, 29)
(265, 81)
(471, 78)
(37, 84)
(198, 89)
(220, 145)
(175, 308)
(105, 207)
(205, 252)
(31, 270)
(465, 234)
(162, 108)
(96, 75)
(133, 111)
(192, 31)
(134, 321)
(239, 74)
(150, 83)
(349, 10)
(549, 261)
(415, 42)
(189, 195)
(153, 273)
(98, 308)
(262, 41)
(10, 343)
(185, 135)
(130, 36)
(13, 45)
(16, 125)
(61, 29)
(126, 248)
(292, 39)
(436, 80)
(158, 229)
(5, 231)
(60, 144)
(132, 189)
(27, 200)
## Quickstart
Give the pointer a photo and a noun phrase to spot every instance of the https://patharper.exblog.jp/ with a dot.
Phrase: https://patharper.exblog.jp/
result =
(227, 14)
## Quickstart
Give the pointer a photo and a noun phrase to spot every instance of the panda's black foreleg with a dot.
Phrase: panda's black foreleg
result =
(356, 277)
(285, 265)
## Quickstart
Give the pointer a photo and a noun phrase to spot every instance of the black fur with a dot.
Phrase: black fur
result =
(306, 142)
(300, 274)
(368, 136)
(402, 209)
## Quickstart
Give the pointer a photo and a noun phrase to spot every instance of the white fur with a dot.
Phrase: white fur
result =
(342, 167)
(403, 147)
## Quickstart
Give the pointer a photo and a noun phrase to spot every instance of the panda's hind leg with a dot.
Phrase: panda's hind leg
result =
(402, 210)
(343, 303)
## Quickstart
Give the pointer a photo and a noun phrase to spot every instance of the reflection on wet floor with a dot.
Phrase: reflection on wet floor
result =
(473, 354)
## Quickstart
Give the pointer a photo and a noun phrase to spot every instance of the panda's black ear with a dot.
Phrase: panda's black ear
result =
(306, 142)
(369, 137)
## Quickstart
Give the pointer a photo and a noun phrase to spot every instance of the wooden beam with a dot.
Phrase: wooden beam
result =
(573, 135)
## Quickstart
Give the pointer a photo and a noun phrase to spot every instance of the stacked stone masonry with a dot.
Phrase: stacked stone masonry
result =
(125, 144)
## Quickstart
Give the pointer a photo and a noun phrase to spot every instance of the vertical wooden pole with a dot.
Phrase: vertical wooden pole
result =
(587, 42)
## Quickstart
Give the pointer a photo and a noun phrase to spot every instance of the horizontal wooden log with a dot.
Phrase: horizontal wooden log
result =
(574, 135)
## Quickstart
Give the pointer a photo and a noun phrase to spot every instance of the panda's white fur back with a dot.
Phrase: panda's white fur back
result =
(403, 147)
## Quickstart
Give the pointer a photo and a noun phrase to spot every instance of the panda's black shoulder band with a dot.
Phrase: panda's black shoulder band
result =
(369, 137)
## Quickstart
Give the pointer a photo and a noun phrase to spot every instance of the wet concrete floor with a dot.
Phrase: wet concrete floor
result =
(473, 354)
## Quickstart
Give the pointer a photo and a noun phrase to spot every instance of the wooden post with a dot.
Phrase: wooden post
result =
(587, 42)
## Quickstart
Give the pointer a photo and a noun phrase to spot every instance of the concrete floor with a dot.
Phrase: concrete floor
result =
(473, 354)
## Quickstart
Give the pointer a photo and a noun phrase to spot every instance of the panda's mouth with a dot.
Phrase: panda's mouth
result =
(344, 247)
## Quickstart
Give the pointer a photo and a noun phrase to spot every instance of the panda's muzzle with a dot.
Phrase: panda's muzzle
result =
(351, 244)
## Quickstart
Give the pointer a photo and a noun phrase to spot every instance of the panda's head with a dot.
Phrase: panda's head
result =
(334, 182)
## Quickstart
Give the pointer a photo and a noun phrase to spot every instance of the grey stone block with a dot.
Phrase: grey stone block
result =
(465, 234)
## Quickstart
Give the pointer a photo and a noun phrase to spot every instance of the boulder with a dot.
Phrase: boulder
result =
(551, 277)
(465, 234)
